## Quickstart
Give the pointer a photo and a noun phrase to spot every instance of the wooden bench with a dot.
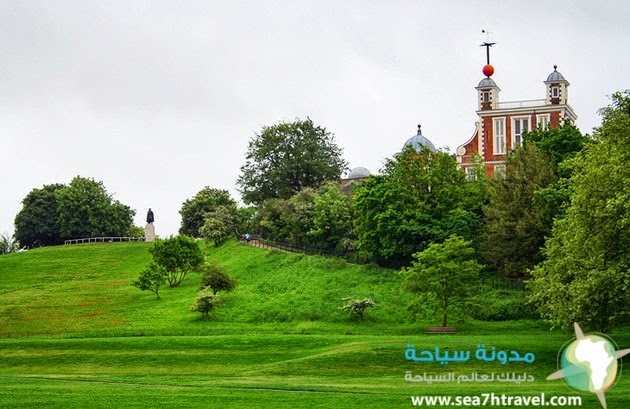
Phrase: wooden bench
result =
(440, 330)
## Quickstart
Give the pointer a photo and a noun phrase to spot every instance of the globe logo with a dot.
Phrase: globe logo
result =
(589, 364)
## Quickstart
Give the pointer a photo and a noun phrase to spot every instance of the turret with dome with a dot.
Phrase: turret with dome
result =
(419, 142)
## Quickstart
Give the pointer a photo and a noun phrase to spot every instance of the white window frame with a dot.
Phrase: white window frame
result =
(555, 91)
(543, 121)
(518, 129)
(498, 136)
(485, 96)
(499, 170)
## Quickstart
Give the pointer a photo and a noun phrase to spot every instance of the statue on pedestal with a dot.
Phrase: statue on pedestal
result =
(149, 229)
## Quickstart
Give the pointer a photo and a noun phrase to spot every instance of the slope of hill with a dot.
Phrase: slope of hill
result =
(85, 289)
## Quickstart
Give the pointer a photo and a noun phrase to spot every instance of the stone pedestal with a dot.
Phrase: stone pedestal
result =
(149, 233)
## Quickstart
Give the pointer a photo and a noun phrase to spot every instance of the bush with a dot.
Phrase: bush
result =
(8, 244)
(179, 256)
(152, 278)
(356, 306)
(205, 302)
(216, 278)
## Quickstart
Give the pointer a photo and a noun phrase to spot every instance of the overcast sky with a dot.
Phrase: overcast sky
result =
(158, 99)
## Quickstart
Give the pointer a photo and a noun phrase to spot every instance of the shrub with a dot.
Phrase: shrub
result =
(216, 278)
(179, 256)
(151, 278)
(205, 302)
(357, 306)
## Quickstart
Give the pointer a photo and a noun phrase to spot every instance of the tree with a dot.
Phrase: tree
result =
(333, 218)
(354, 305)
(287, 157)
(515, 226)
(218, 225)
(420, 198)
(179, 256)
(37, 224)
(205, 302)
(59, 212)
(444, 274)
(585, 276)
(216, 279)
(85, 209)
(194, 210)
(8, 245)
(559, 143)
(151, 278)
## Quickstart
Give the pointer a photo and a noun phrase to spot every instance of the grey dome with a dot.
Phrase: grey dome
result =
(419, 142)
(555, 76)
(487, 83)
(358, 173)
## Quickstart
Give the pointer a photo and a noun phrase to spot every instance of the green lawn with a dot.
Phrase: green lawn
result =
(75, 333)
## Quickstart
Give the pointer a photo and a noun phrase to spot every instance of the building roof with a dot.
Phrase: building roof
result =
(419, 142)
(487, 83)
(555, 76)
(358, 173)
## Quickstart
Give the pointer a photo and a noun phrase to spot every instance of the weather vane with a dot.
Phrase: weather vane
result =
(488, 69)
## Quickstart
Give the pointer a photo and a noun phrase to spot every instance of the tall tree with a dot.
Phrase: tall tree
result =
(287, 157)
(420, 198)
(443, 274)
(333, 218)
(194, 210)
(86, 209)
(37, 223)
(585, 277)
(515, 226)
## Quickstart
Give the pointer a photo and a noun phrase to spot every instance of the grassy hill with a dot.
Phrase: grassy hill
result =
(75, 333)
(85, 289)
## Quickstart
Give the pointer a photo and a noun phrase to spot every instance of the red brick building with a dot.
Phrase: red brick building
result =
(501, 124)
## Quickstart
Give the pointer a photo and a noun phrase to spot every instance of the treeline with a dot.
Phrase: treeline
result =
(82, 208)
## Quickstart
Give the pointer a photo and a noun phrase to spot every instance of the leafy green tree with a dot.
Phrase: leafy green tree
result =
(443, 274)
(85, 209)
(179, 256)
(287, 157)
(287, 219)
(37, 223)
(560, 143)
(8, 244)
(270, 221)
(205, 302)
(297, 216)
(219, 224)
(333, 218)
(152, 279)
(356, 306)
(194, 210)
(215, 278)
(585, 276)
(420, 198)
(515, 226)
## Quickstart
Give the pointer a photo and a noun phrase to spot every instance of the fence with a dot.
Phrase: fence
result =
(357, 257)
(104, 240)
(352, 256)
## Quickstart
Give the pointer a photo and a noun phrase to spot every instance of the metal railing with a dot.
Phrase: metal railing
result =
(104, 240)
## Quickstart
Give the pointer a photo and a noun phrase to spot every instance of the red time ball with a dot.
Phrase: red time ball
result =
(488, 70)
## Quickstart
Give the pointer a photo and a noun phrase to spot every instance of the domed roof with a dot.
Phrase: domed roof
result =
(555, 76)
(419, 142)
(358, 173)
(487, 83)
